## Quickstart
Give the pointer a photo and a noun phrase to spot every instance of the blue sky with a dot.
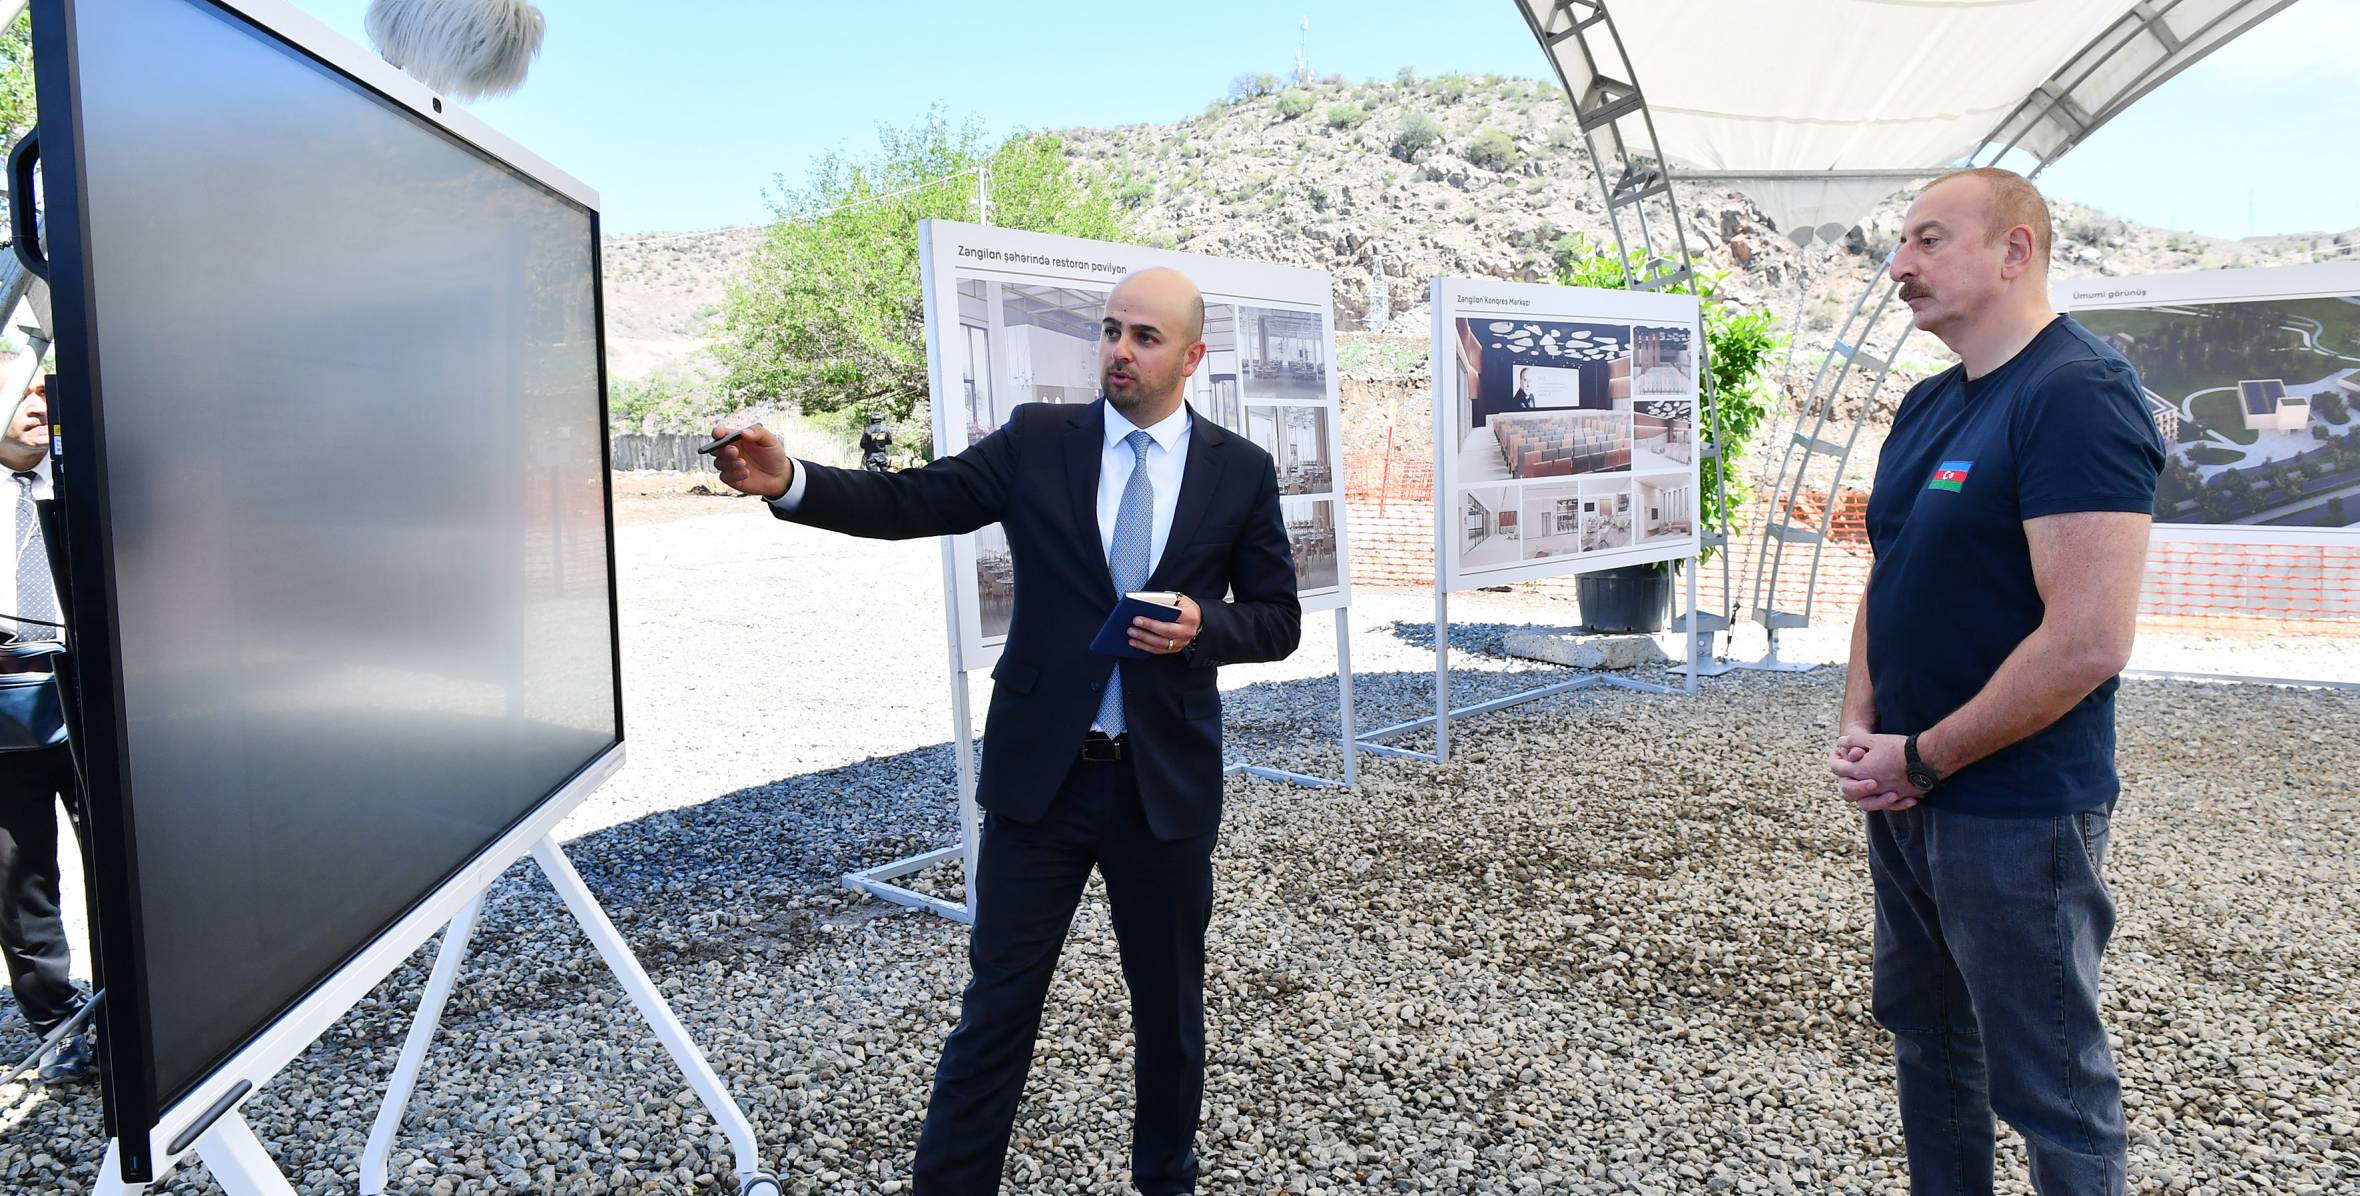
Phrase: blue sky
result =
(683, 122)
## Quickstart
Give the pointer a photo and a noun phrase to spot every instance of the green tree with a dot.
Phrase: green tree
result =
(828, 314)
(1739, 344)
(1135, 193)
(1418, 134)
(1493, 148)
(16, 80)
(1247, 87)
(1346, 116)
(16, 77)
(666, 400)
(1294, 103)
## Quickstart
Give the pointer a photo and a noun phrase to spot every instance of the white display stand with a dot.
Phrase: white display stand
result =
(2313, 359)
(1566, 440)
(881, 882)
(206, 1124)
(1444, 712)
(1011, 318)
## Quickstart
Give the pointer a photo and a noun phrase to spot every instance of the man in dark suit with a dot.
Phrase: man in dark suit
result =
(1088, 763)
(32, 922)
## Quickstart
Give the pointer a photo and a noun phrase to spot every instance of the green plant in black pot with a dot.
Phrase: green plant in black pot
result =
(1738, 346)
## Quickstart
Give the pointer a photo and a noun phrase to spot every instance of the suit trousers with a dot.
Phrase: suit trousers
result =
(32, 929)
(1029, 880)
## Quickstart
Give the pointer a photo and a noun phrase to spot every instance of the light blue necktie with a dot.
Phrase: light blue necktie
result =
(1126, 558)
(35, 598)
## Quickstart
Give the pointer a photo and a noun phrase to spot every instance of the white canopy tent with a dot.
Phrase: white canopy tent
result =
(1819, 109)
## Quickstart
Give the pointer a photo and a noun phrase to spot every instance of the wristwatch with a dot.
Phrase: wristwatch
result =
(1921, 777)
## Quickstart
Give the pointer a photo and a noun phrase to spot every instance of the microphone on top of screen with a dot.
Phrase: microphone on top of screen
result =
(465, 49)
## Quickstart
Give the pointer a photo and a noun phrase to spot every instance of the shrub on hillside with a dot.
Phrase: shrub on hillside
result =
(1294, 103)
(1418, 135)
(1493, 148)
(1247, 87)
(1346, 116)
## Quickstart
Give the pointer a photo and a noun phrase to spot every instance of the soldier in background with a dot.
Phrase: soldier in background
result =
(874, 440)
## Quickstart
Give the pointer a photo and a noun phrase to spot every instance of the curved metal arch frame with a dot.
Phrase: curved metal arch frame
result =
(1635, 176)
(2144, 28)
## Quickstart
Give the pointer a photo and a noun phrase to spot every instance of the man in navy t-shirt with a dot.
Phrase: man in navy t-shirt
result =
(2010, 521)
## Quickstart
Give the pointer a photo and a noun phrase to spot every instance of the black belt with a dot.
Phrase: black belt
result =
(1099, 748)
(34, 656)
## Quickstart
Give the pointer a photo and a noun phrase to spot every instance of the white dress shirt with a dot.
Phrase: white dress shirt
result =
(1165, 458)
(10, 495)
(1167, 451)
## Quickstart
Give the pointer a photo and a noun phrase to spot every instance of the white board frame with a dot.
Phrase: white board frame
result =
(206, 1122)
(1453, 299)
(2320, 280)
(1042, 259)
(950, 251)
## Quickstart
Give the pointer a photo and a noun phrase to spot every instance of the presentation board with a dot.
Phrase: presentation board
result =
(1565, 430)
(1012, 317)
(2253, 377)
(331, 398)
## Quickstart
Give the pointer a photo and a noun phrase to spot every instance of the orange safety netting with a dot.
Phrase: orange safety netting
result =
(1391, 525)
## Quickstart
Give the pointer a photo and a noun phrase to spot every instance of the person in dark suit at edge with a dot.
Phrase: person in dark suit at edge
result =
(32, 920)
(1087, 762)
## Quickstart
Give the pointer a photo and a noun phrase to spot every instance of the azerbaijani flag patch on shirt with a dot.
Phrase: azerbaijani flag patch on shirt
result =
(1951, 476)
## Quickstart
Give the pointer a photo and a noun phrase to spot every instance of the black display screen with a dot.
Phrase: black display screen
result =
(331, 395)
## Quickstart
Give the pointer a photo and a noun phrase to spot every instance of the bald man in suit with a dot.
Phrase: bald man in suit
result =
(1090, 762)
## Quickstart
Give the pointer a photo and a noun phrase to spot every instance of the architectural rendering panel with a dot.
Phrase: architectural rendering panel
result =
(1549, 401)
(2253, 379)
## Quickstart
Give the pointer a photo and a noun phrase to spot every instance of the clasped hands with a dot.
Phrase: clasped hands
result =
(1872, 771)
(1157, 638)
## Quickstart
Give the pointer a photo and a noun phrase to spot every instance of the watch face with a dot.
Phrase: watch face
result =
(1921, 778)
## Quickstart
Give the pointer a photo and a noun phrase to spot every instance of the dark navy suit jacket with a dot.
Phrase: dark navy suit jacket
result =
(1038, 478)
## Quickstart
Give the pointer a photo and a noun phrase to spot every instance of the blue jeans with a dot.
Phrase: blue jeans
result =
(1988, 938)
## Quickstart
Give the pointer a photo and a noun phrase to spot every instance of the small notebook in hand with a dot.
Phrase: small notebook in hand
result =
(1114, 639)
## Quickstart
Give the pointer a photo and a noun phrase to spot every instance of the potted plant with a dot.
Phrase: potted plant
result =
(1738, 345)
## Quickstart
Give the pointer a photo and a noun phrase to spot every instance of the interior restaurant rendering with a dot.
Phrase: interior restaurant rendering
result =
(1297, 440)
(1282, 354)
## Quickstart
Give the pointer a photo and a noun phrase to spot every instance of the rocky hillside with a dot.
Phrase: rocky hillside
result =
(1331, 176)
(663, 292)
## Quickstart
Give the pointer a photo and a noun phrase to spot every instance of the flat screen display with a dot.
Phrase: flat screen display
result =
(344, 408)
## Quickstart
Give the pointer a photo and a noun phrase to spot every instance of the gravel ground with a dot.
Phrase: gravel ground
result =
(1620, 944)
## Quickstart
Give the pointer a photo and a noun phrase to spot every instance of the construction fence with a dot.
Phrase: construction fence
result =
(1389, 494)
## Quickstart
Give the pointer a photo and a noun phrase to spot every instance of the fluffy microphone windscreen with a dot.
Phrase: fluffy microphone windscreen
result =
(464, 49)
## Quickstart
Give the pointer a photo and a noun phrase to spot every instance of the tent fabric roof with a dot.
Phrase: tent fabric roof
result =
(1817, 109)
